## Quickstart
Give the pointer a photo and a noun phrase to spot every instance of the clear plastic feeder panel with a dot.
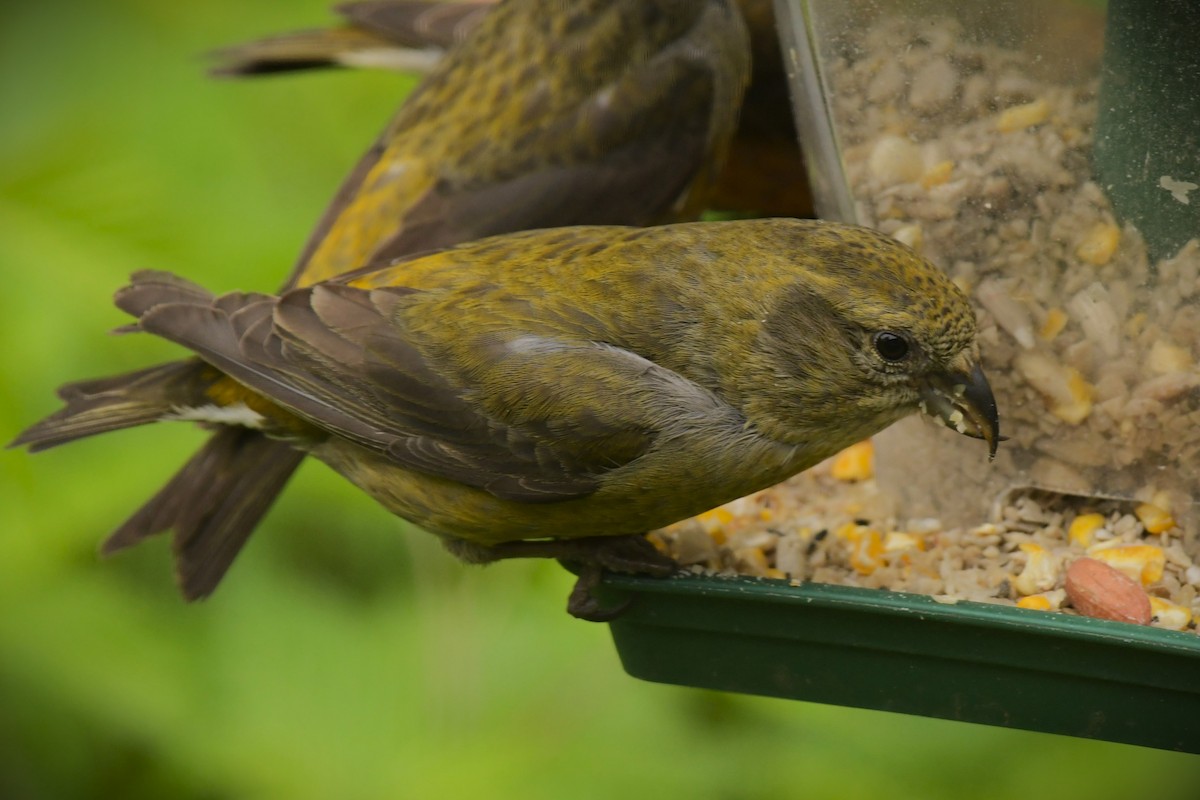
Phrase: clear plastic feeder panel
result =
(1046, 154)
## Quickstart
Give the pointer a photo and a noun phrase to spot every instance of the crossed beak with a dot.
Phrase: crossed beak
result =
(962, 400)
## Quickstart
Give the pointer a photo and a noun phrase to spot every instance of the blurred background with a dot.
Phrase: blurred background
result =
(345, 656)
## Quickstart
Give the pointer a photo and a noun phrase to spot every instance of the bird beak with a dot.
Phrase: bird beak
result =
(963, 401)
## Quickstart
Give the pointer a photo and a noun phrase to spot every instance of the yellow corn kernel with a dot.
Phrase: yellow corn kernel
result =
(1098, 246)
(1023, 116)
(938, 174)
(1084, 527)
(1165, 358)
(1041, 570)
(855, 463)
(1135, 324)
(775, 574)
(1155, 518)
(850, 531)
(911, 235)
(896, 540)
(867, 554)
(1037, 602)
(1080, 405)
(1056, 320)
(1141, 562)
(1165, 614)
(751, 560)
(714, 520)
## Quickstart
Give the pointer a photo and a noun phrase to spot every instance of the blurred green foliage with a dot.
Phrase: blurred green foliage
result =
(345, 656)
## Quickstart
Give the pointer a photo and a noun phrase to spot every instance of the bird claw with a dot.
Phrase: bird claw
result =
(583, 604)
(587, 557)
(633, 555)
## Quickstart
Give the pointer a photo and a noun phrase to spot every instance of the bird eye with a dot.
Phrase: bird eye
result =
(891, 346)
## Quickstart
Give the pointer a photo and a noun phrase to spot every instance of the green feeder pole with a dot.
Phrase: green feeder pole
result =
(1147, 154)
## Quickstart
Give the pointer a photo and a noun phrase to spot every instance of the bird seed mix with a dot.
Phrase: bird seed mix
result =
(979, 157)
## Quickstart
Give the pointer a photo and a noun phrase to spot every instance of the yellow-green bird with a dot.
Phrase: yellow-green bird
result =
(547, 114)
(559, 392)
(762, 173)
(637, 116)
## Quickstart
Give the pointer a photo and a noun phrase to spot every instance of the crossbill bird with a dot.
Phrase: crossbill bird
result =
(547, 114)
(558, 393)
(763, 171)
(490, 142)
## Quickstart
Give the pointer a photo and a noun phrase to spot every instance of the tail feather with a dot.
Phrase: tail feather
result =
(148, 288)
(117, 402)
(377, 34)
(215, 501)
(212, 504)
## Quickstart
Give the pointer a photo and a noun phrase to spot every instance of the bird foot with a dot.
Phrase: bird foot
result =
(588, 558)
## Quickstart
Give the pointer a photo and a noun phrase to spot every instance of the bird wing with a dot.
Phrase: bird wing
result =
(416, 23)
(499, 139)
(342, 359)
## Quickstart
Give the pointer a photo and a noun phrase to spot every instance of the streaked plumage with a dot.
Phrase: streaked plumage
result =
(489, 143)
(763, 173)
(581, 382)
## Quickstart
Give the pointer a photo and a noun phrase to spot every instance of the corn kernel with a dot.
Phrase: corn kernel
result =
(1141, 562)
(1037, 602)
(1023, 116)
(896, 540)
(1041, 570)
(1167, 615)
(938, 174)
(1080, 406)
(855, 463)
(751, 560)
(1135, 324)
(866, 556)
(1165, 358)
(714, 522)
(1084, 527)
(850, 531)
(1099, 244)
(1056, 320)
(660, 544)
(1156, 519)
(775, 574)
(911, 235)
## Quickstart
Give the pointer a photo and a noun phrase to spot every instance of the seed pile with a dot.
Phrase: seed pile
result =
(832, 524)
(960, 150)
(1091, 349)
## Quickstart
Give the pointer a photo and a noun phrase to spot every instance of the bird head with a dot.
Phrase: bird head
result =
(867, 333)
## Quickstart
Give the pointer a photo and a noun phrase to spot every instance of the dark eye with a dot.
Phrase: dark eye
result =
(892, 346)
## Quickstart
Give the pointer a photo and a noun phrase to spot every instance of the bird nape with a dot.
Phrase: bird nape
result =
(555, 393)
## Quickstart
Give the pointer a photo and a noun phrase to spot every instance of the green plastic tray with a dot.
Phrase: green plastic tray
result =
(972, 662)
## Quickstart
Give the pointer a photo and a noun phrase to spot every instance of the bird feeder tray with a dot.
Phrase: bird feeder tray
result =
(912, 654)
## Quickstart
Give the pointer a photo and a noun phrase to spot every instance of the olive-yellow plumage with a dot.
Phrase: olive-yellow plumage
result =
(584, 382)
(546, 114)
(763, 171)
(625, 129)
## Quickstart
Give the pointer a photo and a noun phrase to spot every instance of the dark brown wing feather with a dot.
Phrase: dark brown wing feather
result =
(332, 356)
(640, 132)
(416, 24)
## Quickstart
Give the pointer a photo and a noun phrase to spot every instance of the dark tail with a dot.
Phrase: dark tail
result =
(382, 34)
(215, 501)
(212, 505)
(120, 401)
